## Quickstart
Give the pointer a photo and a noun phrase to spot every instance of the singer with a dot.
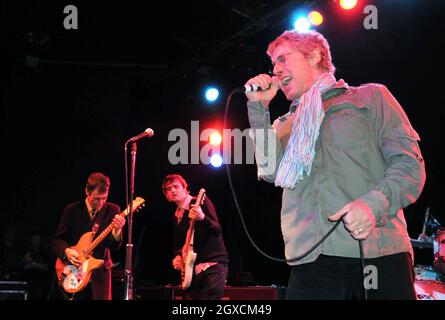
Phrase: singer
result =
(342, 152)
(93, 213)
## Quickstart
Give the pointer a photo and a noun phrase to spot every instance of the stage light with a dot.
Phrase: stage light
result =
(315, 18)
(216, 160)
(302, 25)
(215, 138)
(348, 4)
(211, 94)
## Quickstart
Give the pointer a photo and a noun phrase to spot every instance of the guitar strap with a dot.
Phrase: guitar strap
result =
(97, 221)
(95, 227)
(192, 238)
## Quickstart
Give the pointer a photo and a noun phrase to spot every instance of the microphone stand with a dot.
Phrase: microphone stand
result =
(422, 236)
(129, 247)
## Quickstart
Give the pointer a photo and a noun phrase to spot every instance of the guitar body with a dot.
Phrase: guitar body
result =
(187, 269)
(74, 279)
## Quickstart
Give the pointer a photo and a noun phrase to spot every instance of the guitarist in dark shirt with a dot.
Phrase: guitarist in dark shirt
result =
(211, 265)
(84, 216)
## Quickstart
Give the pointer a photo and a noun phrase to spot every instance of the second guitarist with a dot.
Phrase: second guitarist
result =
(211, 265)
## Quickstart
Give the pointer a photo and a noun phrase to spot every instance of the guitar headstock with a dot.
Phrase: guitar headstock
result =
(137, 204)
(200, 198)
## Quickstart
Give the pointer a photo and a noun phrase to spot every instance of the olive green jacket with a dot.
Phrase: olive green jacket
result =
(366, 149)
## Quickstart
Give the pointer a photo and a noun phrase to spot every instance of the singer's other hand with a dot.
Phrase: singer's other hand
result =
(358, 218)
(269, 86)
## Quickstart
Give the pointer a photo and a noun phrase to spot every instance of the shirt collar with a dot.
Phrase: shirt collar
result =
(89, 209)
(339, 88)
(185, 206)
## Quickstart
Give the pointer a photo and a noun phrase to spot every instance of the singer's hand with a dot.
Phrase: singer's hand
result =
(359, 219)
(269, 86)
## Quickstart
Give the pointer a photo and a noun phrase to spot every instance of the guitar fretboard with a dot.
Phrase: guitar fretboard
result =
(136, 204)
(102, 236)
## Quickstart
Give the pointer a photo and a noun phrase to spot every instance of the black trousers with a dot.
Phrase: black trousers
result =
(339, 278)
(209, 284)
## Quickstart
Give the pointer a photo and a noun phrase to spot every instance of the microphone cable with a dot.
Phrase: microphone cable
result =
(362, 260)
(235, 199)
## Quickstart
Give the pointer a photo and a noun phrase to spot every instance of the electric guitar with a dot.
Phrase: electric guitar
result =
(188, 255)
(74, 279)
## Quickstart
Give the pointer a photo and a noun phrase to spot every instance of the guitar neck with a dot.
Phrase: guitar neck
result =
(189, 237)
(100, 237)
(190, 232)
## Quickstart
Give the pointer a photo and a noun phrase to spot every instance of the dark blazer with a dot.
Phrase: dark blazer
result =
(74, 223)
(208, 243)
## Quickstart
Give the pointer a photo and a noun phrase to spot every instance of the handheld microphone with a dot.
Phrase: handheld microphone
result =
(250, 88)
(147, 133)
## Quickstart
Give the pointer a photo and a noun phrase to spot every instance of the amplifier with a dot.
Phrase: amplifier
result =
(13, 290)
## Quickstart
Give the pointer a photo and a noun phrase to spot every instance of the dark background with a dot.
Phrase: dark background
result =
(71, 98)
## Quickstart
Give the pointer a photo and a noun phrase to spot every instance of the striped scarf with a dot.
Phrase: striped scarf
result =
(300, 149)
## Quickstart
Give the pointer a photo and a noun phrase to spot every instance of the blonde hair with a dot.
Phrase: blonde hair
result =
(306, 43)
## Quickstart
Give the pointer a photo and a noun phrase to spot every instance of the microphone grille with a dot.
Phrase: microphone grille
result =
(150, 132)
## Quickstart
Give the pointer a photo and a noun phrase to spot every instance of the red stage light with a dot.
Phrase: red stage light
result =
(215, 138)
(348, 4)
